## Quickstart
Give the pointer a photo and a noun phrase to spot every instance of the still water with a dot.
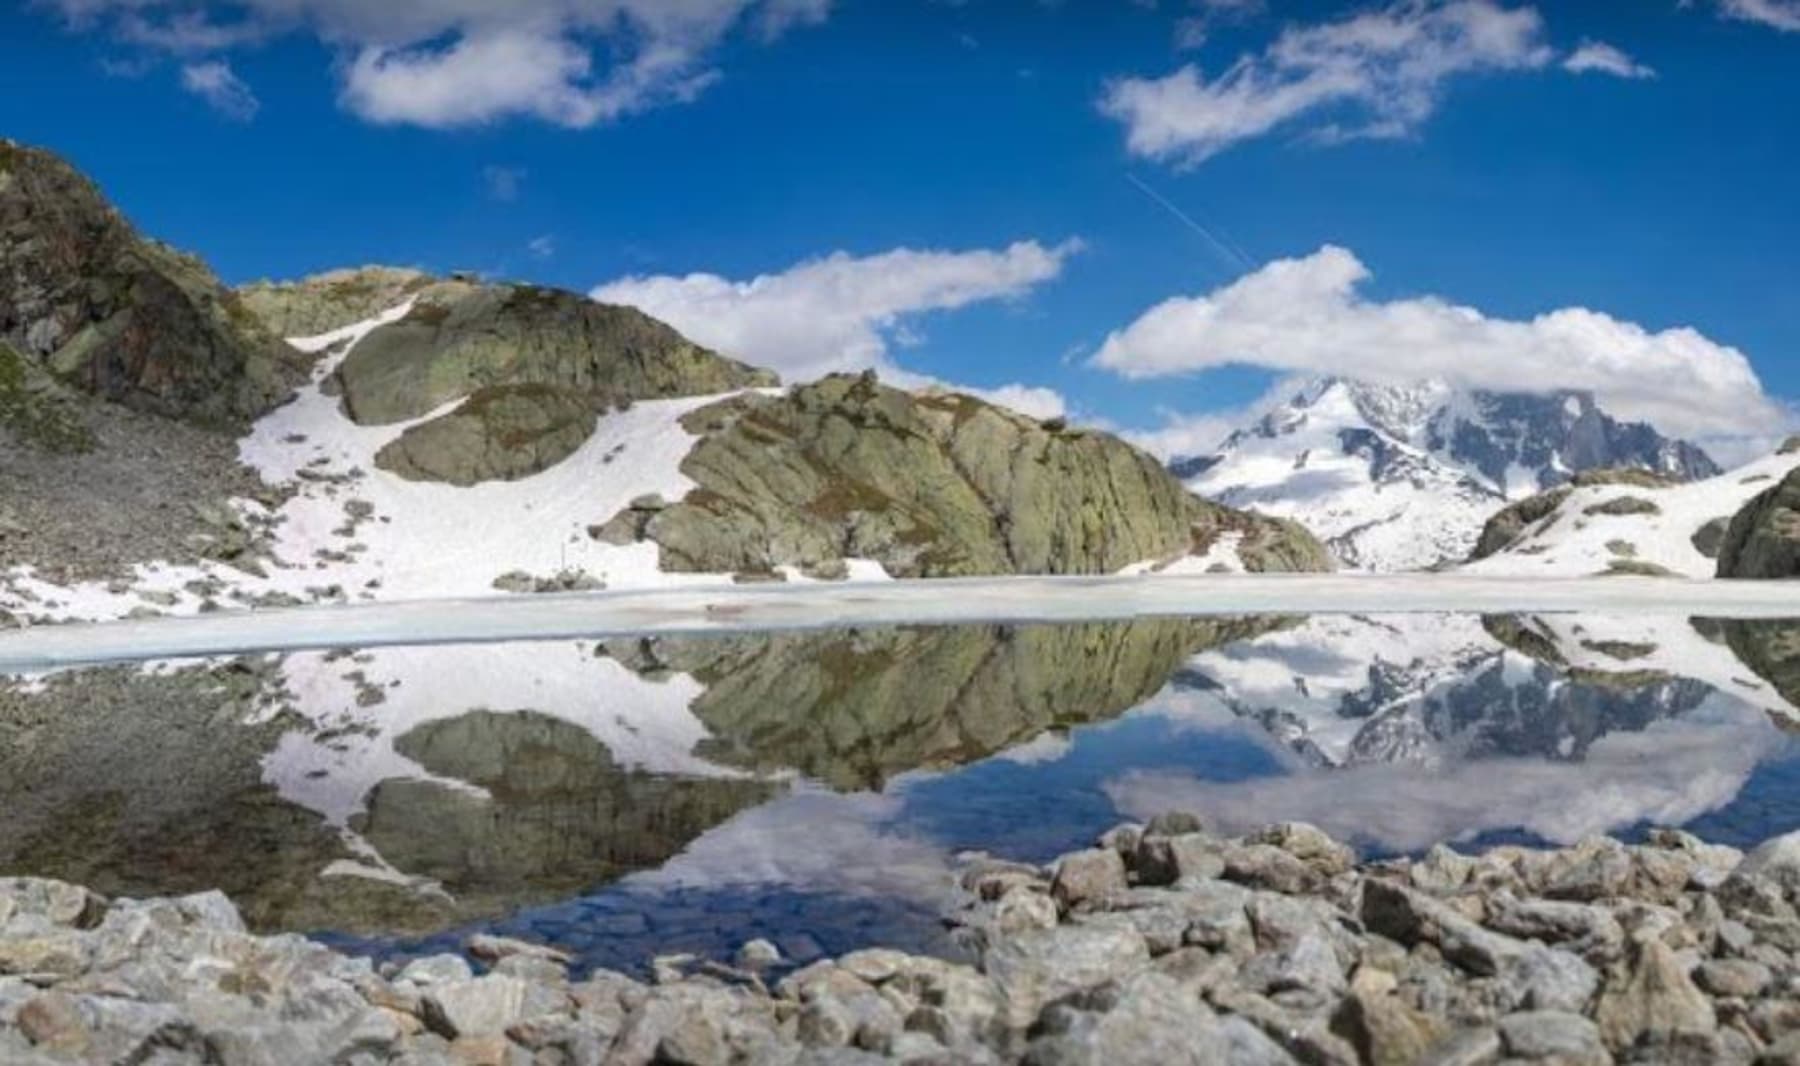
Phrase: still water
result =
(627, 798)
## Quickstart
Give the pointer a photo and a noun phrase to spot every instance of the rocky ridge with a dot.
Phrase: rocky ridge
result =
(930, 485)
(119, 317)
(1164, 943)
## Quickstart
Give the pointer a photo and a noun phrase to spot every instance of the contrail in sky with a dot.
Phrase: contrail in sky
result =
(1238, 261)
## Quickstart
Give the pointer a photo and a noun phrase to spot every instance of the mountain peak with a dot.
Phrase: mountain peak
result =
(1402, 476)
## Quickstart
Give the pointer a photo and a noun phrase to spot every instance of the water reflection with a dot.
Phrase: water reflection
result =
(641, 795)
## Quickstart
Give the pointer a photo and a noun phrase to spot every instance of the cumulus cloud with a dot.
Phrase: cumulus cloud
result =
(221, 88)
(1601, 58)
(1783, 15)
(1307, 316)
(1374, 74)
(448, 63)
(844, 312)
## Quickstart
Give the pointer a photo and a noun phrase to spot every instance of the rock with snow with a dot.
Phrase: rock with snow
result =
(1626, 521)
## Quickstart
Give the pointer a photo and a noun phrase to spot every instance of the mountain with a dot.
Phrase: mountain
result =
(415, 436)
(1627, 522)
(1402, 478)
(87, 302)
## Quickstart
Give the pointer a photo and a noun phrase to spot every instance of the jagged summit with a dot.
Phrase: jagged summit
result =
(1403, 477)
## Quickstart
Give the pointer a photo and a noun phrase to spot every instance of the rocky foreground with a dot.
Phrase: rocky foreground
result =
(1164, 944)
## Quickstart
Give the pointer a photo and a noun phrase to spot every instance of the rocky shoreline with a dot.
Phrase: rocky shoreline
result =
(1162, 944)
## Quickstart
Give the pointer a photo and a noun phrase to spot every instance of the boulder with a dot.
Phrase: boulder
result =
(1763, 540)
(459, 339)
(501, 433)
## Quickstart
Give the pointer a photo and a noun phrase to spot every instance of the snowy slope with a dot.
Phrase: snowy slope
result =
(1572, 541)
(1402, 478)
(352, 532)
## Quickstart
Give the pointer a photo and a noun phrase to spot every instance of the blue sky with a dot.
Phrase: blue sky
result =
(1050, 167)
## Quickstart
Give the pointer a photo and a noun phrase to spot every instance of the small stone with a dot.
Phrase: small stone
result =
(486, 1005)
(1733, 977)
(1164, 860)
(52, 1022)
(758, 955)
(492, 949)
(1088, 876)
(436, 970)
(1267, 866)
(1175, 823)
(1310, 845)
(1385, 1029)
(1024, 908)
(1567, 1039)
(1652, 995)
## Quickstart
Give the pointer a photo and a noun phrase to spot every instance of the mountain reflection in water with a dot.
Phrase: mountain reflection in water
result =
(640, 795)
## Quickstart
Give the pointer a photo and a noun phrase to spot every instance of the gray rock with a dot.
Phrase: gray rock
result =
(1088, 876)
(436, 970)
(1163, 860)
(1147, 1020)
(1733, 977)
(486, 1005)
(1037, 967)
(1412, 918)
(1778, 861)
(1269, 867)
(1567, 1039)
(1651, 994)
(1308, 844)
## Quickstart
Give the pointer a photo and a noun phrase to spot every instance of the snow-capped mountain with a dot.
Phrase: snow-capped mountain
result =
(1402, 478)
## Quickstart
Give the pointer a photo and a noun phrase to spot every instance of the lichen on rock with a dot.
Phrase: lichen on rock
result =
(931, 484)
(460, 338)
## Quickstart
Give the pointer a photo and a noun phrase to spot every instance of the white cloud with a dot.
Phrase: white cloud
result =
(448, 63)
(1307, 316)
(1667, 774)
(1191, 31)
(542, 247)
(225, 92)
(1599, 57)
(1190, 433)
(1783, 15)
(1375, 74)
(844, 312)
(503, 182)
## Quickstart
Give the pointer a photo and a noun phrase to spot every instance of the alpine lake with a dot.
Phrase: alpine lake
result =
(630, 798)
